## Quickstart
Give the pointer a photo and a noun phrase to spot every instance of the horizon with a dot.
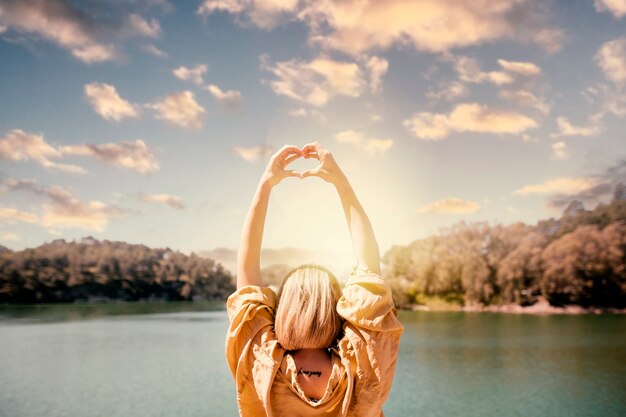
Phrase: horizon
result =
(152, 123)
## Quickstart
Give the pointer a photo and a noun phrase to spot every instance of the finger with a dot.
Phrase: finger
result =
(284, 151)
(290, 149)
(291, 158)
(309, 173)
(292, 173)
(310, 150)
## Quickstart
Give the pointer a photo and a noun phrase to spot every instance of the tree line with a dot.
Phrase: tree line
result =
(578, 259)
(92, 270)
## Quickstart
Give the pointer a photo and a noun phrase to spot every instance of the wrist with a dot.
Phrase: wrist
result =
(341, 182)
(266, 183)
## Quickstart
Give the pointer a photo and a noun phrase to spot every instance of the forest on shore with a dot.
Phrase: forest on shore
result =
(578, 259)
(97, 271)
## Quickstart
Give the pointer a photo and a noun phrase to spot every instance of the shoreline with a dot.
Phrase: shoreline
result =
(541, 307)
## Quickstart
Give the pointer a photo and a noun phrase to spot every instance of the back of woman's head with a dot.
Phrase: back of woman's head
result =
(306, 317)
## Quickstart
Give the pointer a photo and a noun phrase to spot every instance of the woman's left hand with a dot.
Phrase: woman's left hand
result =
(275, 171)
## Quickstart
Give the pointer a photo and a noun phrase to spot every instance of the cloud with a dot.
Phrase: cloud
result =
(91, 31)
(68, 212)
(611, 57)
(612, 100)
(132, 155)
(527, 99)
(590, 190)
(262, 13)
(376, 68)
(560, 150)
(370, 145)
(18, 145)
(469, 71)
(167, 199)
(195, 74)
(253, 153)
(468, 117)
(153, 50)
(9, 237)
(568, 129)
(563, 185)
(11, 214)
(317, 81)
(107, 103)
(448, 91)
(180, 109)
(356, 26)
(451, 205)
(616, 7)
(62, 210)
(230, 98)
(310, 113)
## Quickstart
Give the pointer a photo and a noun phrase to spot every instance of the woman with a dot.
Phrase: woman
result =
(313, 350)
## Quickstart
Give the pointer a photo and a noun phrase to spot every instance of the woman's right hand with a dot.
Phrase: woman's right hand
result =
(328, 170)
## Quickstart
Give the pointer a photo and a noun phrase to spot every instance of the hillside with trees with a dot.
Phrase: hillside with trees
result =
(92, 270)
(578, 259)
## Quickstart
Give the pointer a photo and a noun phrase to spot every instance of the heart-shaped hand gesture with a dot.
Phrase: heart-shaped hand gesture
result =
(328, 170)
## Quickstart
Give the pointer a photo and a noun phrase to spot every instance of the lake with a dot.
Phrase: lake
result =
(168, 360)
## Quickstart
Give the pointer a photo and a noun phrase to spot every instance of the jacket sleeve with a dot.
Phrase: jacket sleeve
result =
(251, 314)
(371, 332)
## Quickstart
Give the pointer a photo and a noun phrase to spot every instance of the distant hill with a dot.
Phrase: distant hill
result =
(339, 263)
(92, 270)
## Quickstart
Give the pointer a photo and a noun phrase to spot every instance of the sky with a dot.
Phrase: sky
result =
(152, 121)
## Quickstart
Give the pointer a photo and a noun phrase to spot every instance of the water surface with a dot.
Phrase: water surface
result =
(168, 360)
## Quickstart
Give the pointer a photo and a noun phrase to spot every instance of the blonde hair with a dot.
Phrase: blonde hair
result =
(306, 316)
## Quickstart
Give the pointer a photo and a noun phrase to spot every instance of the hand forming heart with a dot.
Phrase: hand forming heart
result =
(327, 169)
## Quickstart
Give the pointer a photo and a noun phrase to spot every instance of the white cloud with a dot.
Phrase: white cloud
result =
(263, 13)
(562, 185)
(18, 145)
(376, 68)
(468, 117)
(616, 7)
(95, 53)
(137, 25)
(107, 103)
(568, 129)
(195, 74)
(448, 91)
(77, 29)
(132, 155)
(230, 98)
(8, 236)
(526, 98)
(451, 205)
(153, 50)
(68, 212)
(526, 69)
(166, 199)
(180, 109)
(372, 146)
(356, 26)
(611, 58)
(253, 153)
(612, 100)
(11, 214)
(469, 71)
(62, 210)
(317, 81)
(560, 150)
(313, 114)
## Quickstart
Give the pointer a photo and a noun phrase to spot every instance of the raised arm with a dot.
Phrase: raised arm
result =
(363, 239)
(249, 254)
